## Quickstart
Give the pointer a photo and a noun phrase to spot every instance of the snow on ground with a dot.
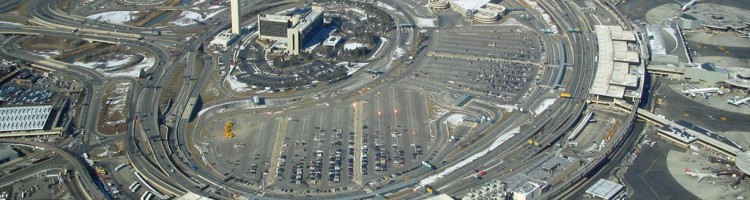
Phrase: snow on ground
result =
(545, 104)
(187, 18)
(106, 64)
(455, 119)
(506, 108)
(115, 67)
(209, 15)
(358, 11)
(499, 141)
(386, 6)
(351, 68)
(236, 85)
(114, 17)
(439, 112)
(425, 22)
(353, 45)
(199, 2)
(46, 53)
(398, 53)
(135, 70)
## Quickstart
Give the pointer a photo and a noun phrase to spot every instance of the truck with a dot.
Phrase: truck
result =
(480, 174)
(565, 94)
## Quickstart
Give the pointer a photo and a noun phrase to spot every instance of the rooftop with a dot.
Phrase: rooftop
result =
(24, 118)
(469, 4)
(604, 189)
(743, 162)
(708, 133)
(613, 71)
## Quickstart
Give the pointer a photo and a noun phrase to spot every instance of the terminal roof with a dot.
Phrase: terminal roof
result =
(24, 118)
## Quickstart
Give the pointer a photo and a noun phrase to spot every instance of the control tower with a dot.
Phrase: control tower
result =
(235, 12)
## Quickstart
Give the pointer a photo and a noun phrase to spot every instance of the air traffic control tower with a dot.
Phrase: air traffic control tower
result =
(234, 8)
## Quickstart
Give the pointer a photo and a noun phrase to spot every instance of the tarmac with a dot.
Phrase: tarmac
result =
(703, 112)
(708, 188)
(650, 178)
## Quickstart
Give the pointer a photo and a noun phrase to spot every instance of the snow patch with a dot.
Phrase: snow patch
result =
(545, 104)
(398, 53)
(455, 119)
(426, 22)
(507, 108)
(187, 18)
(236, 85)
(386, 6)
(499, 141)
(46, 53)
(109, 68)
(114, 17)
(351, 68)
(353, 45)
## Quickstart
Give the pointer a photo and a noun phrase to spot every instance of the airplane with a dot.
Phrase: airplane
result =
(687, 6)
(737, 101)
(699, 174)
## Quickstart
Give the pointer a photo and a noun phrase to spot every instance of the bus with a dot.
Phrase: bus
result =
(146, 196)
(119, 167)
(135, 189)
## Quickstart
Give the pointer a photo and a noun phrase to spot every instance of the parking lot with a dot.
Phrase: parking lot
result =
(503, 62)
(396, 137)
(316, 145)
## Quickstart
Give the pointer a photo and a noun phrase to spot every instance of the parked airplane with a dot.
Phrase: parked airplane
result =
(737, 101)
(699, 174)
(687, 6)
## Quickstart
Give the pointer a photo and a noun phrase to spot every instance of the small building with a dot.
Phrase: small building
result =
(332, 41)
(524, 187)
(471, 120)
(605, 189)
(461, 101)
(224, 39)
(7, 154)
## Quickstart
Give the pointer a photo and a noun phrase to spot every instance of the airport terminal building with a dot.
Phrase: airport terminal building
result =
(292, 30)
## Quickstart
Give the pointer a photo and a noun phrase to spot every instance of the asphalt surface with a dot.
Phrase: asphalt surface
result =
(649, 177)
(678, 106)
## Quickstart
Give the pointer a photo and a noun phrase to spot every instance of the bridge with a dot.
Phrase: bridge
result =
(682, 134)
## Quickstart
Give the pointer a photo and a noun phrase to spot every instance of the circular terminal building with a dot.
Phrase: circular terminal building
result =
(438, 4)
(482, 11)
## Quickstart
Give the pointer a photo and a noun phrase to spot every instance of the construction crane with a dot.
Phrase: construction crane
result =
(228, 129)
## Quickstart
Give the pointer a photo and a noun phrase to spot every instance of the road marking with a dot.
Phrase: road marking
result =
(280, 135)
(358, 120)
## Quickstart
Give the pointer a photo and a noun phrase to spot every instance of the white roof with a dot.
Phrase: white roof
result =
(469, 4)
(192, 196)
(612, 76)
(604, 189)
(24, 118)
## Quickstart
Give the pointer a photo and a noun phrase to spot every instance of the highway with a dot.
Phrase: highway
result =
(159, 145)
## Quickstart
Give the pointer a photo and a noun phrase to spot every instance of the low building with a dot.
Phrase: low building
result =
(7, 154)
(223, 39)
(524, 187)
(605, 189)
